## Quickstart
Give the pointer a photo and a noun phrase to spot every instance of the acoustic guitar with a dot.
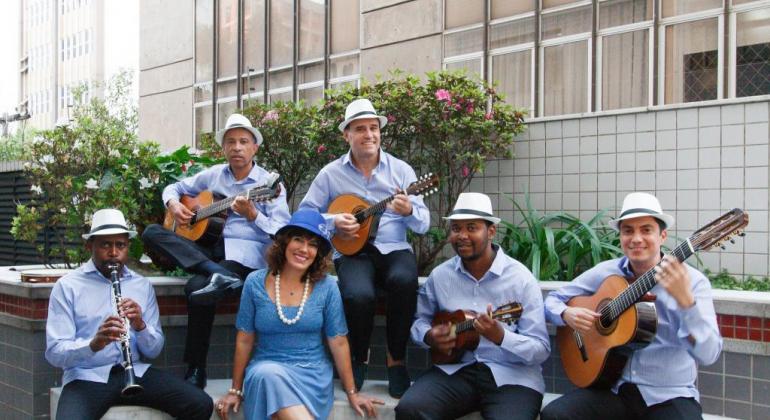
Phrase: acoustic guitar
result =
(368, 216)
(207, 224)
(467, 338)
(597, 358)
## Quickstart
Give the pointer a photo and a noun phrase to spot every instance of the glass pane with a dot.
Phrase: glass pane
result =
(283, 97)
(281, 32)
(463, 42)
(228, 37)
(737, 2)
(202, 122)
(279, 79)
(345, 15)
(691, 61)
(253, 35)
(513, 73)
(565, 76)
(341, 85)
(505, 8)
(753, 53)
(343, 66)
(312, 15)
(312, 95)
(463, 12)
(253, 83)
(512, 33)
(566, 22)
(554, 3)
(255, 99)
(622, 12)
(311, 73)
(204, 40)
(681, 7)
(625, 65)
(472, 67)
(203, 92)
(226, 89)
(224, 110)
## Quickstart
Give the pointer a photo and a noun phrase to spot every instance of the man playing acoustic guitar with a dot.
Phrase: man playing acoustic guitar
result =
(388, 262)
(657, 381)
(219, 269)
(501, 377)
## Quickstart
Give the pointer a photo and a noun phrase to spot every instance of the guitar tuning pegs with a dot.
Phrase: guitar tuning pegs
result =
(732, 241)
(723, 247)
(741, 234)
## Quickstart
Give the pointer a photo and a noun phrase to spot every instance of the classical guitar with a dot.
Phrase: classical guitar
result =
(368, 216)
(467, 338)
(207, 224)
(597, 358)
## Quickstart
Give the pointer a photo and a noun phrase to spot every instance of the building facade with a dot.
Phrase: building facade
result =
(666, 96)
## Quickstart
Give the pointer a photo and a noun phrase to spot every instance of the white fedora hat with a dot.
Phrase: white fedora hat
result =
(359, 109)
(473, 205)
(639, 204)
(108, 222)
(239, 121)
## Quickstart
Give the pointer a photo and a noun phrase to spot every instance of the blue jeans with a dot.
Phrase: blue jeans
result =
(163, 391)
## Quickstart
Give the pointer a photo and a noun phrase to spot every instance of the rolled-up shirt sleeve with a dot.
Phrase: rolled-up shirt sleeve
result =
(426, 308)
(526, 341)
(192, 186)
(273, 214)
(318, 197)
(699, 332)
(150, 340)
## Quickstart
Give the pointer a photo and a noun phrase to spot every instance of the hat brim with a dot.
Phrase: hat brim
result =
(383, 121)
(254, 132)
(494, 220)
(667, 219)
(310, 229)
(111, 231)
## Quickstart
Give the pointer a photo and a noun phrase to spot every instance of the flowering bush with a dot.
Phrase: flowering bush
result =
(449, 125)
(94, 162)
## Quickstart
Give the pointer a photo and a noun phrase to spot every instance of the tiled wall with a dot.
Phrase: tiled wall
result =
(699, 161)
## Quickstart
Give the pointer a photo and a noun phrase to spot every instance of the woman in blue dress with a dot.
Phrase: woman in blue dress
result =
(290, 307)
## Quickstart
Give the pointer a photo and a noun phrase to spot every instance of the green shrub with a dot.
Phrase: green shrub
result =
(724, 280)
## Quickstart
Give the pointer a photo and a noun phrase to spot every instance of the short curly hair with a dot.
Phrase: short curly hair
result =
(276, 253)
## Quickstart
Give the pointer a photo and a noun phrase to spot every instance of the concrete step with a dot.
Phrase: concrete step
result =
(341, 411)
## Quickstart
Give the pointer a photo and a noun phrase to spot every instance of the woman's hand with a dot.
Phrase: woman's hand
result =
(223, 405)
(363, 403)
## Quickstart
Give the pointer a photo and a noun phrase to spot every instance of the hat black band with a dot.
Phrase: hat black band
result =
(102, 227)
(358, 114)
(473, 212)
(646, 211)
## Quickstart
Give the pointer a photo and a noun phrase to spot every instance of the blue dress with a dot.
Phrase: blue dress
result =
(289, 365)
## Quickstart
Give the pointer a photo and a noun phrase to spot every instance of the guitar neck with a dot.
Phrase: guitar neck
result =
(223, 204)
(467, 325)
(374, 209)
(642, 285)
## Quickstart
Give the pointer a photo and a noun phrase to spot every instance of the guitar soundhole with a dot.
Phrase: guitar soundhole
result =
(602, 326)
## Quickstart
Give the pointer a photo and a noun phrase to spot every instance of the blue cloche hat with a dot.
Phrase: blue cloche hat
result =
(311, 221)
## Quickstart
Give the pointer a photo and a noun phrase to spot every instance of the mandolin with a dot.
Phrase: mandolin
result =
(462, 328)
(207, 224)
(368, 216)
(597, 358)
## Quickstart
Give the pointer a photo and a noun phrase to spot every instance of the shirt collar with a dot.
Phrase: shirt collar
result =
(497, 267)
(253, 173)
(383, 163)
(625, 267)
(89, 267)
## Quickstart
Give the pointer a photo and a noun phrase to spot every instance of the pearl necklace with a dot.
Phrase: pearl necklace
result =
(278, 301)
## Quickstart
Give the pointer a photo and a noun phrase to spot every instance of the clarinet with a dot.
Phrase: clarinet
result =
(130, 387)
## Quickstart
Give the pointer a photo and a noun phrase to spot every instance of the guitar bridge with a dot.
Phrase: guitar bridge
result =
(580, 345)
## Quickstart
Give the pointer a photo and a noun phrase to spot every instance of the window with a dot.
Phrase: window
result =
(253, 49)
(691, 62)
(227, 38)
(204, 32)
(281, 33)
(752, 53)
(565, 79)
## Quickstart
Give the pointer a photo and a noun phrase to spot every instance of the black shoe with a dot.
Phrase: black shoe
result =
(219, 286)
(359, 374)
(196, 376)
(398, 380)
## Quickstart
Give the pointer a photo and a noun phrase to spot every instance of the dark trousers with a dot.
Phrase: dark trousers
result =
(187, 254)
(436, 395)
(359, 276)
(627, 404)
(162, 390)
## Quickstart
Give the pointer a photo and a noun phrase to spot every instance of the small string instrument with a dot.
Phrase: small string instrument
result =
(368, 216)
(467, 338)
(207, 224)
(597, 358)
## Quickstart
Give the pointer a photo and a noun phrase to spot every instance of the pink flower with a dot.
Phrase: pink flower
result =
(488, 115)
(184, 168)
(271, 115)
(466, 171)
(443, 95)
(391, 118)
(469, 109)
(320, 149)
(458, 107)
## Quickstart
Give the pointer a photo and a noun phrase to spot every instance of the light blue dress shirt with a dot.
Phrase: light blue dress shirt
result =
(245, 242)
(342, 177)
(79, 303)
(666, 368)
(525, 346)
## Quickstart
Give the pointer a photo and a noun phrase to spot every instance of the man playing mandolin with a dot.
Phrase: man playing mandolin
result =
(657, 381)
(501, 377)
(220, 269)
(388, 261)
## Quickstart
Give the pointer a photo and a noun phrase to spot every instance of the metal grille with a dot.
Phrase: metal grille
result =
(700, 76)
(753, 70)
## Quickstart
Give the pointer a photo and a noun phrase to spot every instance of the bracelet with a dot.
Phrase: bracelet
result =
(351, 391)
(237, 392)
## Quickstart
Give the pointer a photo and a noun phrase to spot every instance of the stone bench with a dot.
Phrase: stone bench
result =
(341, 411)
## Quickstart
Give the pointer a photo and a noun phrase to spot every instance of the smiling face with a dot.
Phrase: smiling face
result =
(641, 239)
(363, 136)
(239, 148)
(471, 239)
(108, 249)
(301, 251)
